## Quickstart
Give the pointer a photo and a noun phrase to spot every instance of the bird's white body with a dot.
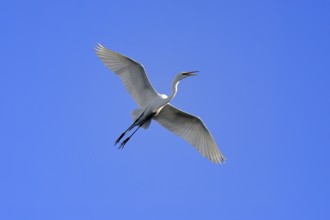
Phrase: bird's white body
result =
(151, 110)
(156, 104)
(153, 105)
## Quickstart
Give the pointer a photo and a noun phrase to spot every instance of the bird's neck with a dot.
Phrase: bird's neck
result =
(174, 89)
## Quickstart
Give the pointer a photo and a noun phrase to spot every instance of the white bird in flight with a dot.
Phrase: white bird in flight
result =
(153, 105)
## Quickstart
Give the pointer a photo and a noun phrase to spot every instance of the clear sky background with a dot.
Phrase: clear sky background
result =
(263, 90)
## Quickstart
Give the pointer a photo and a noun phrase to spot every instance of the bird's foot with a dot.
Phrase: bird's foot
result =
(122, 145)
(120, 137)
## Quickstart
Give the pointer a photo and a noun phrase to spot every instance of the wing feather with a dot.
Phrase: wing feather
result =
(192, 129)
(131, 73)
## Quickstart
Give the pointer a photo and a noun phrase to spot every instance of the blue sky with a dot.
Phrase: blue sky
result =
(263, 91)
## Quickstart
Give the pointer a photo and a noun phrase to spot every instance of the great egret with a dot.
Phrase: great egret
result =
(153, 105)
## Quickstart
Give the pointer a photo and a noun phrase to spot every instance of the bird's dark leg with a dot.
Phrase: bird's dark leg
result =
(123, 134)
(127, 130)
(122, 145)
(120, 137)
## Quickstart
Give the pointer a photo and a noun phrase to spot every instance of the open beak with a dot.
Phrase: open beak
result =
(191, 73)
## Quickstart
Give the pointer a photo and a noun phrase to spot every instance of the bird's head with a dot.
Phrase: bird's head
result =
(184, 75)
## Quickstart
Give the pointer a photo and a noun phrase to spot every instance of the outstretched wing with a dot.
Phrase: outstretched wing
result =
(192, 129)
(130, 72)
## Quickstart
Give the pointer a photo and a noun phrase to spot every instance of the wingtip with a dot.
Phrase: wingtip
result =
(220, 159)
(99, 46)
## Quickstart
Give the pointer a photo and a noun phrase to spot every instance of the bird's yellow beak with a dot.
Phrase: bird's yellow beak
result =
(191, 73)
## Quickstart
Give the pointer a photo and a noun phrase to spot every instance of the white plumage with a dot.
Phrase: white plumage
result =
(153, 105)
(131, 73)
